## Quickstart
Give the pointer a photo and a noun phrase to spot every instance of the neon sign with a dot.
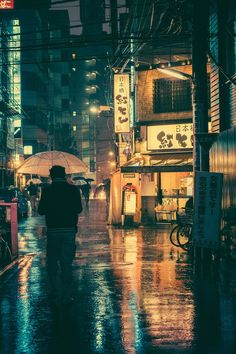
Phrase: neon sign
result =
(6, 4)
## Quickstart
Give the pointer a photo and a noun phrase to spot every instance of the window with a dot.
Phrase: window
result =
(172, 96)
(65, 104)
(28, 150)
(74, 113)
(64, 80)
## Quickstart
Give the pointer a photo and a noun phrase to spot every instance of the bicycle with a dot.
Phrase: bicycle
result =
(226, 234)
(181, 234)
(5, 252)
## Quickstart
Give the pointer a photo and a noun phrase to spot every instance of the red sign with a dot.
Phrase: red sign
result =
(6, 4)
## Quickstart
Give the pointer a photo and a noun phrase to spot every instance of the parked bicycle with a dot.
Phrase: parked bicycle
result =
(226, 233)
(181, 233)
(5, 252)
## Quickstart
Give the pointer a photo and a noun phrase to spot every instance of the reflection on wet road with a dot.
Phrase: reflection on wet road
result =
(135, 293)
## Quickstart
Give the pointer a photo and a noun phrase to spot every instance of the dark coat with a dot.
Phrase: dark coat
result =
(60, 203)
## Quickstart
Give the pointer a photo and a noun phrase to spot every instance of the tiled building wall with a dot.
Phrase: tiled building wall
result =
(145, 93)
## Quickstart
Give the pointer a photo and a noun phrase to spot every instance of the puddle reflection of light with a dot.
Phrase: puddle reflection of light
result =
(168, 305)
(102, 309)
(24, 324)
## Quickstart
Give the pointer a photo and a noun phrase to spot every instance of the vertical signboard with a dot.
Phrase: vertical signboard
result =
(121, 104)
(6, 4)
(207, 209)
(130, 201)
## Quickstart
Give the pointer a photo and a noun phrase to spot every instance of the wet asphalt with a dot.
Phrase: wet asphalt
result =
(134, 293)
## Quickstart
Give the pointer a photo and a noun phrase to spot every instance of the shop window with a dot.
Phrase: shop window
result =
(172, 96)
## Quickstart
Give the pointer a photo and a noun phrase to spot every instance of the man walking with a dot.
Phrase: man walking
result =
(60, 203)
(33, 191)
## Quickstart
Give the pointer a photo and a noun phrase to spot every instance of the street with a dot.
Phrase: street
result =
(135, 293)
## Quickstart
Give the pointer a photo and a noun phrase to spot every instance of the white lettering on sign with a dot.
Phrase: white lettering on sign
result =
(6, 4)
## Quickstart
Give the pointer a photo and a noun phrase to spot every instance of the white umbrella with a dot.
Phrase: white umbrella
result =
(40, 164)
(34, 181)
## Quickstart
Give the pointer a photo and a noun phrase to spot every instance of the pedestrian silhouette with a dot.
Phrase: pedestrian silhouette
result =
(60, 203)
(33, 192)
(85, 189)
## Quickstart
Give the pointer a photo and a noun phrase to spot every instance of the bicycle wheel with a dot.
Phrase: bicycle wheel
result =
(173, 236)
(184, 235)
(5, 253)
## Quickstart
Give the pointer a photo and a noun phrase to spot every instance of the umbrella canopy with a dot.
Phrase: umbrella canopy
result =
(34, 181)
(80, 178)
(39, 164)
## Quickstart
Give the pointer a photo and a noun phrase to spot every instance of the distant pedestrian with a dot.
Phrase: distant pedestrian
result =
(85, 188)
(60, 203)
(33, 192)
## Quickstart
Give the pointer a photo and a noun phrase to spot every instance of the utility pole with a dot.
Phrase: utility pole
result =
(200, 94)
(114, 23)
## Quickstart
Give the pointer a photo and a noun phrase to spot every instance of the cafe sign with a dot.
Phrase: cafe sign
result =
(170, 137)
(6, 4)
(121, 104)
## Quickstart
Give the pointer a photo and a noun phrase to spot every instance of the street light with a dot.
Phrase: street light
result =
(93, 109)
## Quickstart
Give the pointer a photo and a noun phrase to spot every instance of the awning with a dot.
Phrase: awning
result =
(159, 163)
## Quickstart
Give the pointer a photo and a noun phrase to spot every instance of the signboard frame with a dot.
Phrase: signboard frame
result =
(207, 209)
(130, 202)
(121, 103)
(6, 4)
(170, 137)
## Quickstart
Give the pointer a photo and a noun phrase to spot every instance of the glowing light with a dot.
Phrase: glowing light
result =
(175, 73)
(93, 109)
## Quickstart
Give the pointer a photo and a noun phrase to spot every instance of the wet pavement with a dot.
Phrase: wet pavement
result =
(135, 293)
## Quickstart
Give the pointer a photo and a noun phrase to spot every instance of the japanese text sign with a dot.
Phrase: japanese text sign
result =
(6, 4)
(130, 200)
(207, 209)
(121, 104)
(171, 136)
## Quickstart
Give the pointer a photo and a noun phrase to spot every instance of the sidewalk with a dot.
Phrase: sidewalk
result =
(135, 293)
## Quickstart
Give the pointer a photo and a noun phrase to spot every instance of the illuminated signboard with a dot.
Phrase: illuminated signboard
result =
(130, 201)
(6, 4)
(170, 137)
(121, 104)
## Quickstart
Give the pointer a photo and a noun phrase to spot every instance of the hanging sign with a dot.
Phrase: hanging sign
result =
(121, 104)
(6, 4)
(169, 137)
(207, 209)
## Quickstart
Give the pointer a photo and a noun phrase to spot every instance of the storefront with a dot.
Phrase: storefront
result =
(162, 188)
(161, 174)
